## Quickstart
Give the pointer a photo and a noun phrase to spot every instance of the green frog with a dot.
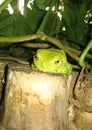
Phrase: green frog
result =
(51, 60)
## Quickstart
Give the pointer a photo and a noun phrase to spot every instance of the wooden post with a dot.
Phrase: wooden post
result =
(35, 100)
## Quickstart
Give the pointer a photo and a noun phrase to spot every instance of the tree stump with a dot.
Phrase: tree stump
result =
(35, 100)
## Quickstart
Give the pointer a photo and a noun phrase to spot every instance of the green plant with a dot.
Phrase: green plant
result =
(72, 30)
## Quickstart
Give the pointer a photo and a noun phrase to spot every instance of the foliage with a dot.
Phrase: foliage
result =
(74, 25)
(72, 19)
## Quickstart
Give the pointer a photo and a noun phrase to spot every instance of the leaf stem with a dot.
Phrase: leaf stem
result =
(82, 61)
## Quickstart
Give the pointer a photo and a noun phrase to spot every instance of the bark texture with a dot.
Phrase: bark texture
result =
(44, 101)
(35, 100)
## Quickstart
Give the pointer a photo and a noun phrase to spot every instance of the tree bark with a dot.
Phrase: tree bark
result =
(35, 100)
(44, 101)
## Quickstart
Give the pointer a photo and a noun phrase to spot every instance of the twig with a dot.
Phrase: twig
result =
(35, 45)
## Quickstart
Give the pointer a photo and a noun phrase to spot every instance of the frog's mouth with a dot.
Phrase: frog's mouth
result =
(37, 68)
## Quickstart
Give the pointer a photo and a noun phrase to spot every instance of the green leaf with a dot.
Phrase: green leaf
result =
(53, 24)
(80, 27)
(73, 19)
(6, 28)
(6, 22)
(42, 4)
(4, 15)
(20, 26)
(69, 23)
(14, 4)
(15, 25)
(33, 19)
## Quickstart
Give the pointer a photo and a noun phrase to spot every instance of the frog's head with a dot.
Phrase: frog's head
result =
(50, 60)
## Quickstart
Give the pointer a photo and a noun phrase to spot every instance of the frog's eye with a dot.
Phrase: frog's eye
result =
(57, 61)
(36, 57)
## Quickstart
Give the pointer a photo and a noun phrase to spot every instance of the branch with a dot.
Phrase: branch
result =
(41, 36)
(59, 45)
(53, 41)
(20, 38)
(35, 45)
